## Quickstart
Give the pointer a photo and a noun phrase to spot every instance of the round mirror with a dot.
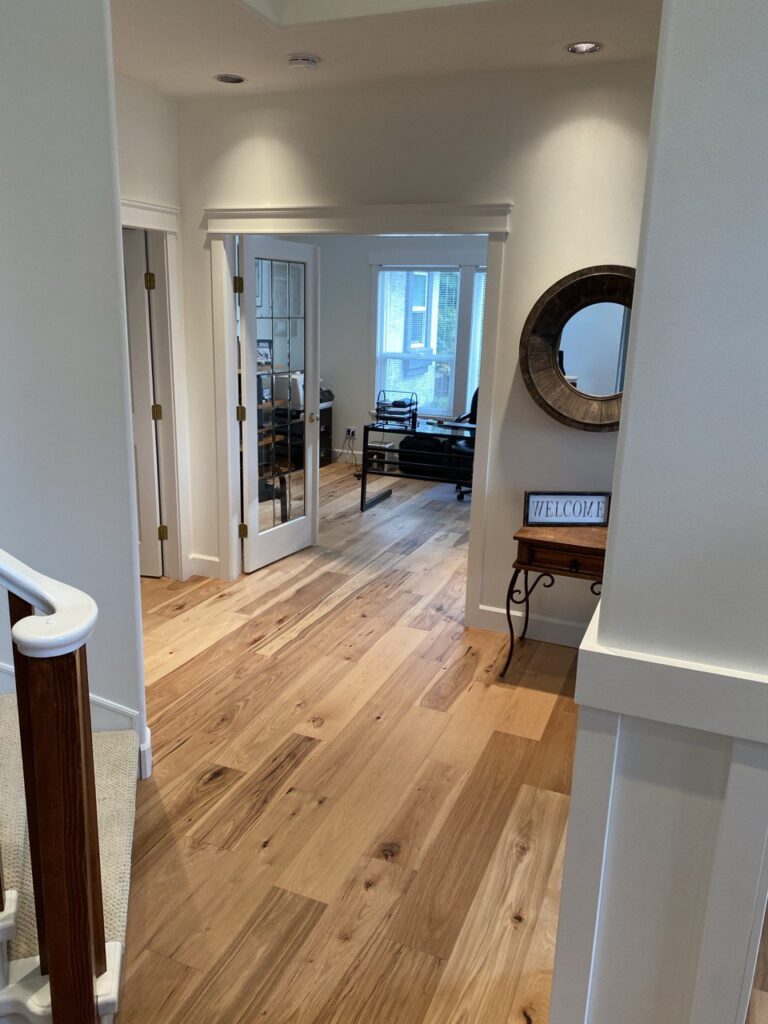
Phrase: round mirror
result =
(592, 354)
(573, 349)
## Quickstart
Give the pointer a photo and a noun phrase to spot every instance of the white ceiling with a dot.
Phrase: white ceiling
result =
(310, 12)
(177, 46)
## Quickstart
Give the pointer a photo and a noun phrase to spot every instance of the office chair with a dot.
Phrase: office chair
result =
(465, 448)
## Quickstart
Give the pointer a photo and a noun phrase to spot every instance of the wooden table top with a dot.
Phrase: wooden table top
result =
(585, 538)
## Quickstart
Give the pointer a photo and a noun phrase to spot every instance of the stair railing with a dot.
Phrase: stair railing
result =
(57, 759)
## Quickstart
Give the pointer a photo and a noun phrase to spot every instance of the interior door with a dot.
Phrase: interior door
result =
(143, 401)
(280, 398)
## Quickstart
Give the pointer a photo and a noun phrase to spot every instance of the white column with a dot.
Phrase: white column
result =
(67, 503)
(665, 882)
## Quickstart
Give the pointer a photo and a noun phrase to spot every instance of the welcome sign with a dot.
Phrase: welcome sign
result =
(567, 508)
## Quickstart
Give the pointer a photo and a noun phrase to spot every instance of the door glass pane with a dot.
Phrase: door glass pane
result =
(280, 352)
(279, 288)
(280, 333)
(297, 289)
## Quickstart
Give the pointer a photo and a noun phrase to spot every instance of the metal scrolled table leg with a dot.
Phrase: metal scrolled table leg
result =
(515, 596)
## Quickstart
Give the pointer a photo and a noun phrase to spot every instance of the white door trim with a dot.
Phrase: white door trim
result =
(171, 394)
(163, 223)
(141, 346)
(410, 219)
(431, 218)
(149, 216)
(481, 467)
(223, 270)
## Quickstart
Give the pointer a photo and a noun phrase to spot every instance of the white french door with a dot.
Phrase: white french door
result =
(143, 407)
(279, 393)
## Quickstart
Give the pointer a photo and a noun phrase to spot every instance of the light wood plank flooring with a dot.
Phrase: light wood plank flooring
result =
(350, 821)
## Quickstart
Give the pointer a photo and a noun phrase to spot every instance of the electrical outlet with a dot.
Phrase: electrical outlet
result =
(351, 432)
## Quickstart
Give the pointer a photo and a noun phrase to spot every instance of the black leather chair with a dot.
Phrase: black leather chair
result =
(465, 450)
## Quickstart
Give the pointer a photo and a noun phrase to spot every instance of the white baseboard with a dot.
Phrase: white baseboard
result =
(540, 627)
(108, 714)
(204, 565)
(145, 754)
(344, 455)
(105, 714)
(7, 678)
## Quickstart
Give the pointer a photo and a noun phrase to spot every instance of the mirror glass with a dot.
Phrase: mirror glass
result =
(592, 353)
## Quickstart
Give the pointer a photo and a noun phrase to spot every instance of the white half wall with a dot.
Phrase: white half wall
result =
(68, 503)
(568, 148)
(666, 874)
(696, 377)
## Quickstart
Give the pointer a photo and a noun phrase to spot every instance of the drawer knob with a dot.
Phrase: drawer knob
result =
(575, 565)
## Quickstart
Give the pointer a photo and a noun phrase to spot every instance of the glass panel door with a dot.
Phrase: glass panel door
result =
(279, 447)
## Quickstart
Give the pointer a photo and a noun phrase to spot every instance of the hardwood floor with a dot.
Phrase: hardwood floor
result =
(350, 820)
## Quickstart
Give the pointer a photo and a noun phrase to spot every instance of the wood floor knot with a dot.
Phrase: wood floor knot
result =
(388, 851)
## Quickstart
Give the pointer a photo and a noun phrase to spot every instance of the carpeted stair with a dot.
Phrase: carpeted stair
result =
(115, 756)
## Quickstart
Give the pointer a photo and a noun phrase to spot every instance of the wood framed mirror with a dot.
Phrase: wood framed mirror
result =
(573, 348)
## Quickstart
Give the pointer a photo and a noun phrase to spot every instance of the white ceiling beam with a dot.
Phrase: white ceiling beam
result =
(287, 13)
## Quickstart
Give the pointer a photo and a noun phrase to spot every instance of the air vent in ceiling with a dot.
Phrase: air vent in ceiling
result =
(303, 60)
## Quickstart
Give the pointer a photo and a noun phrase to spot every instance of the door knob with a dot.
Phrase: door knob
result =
(312, 417)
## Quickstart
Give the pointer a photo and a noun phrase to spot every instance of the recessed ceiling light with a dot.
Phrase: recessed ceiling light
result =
(584, 47)
(303, 60)
(229, 79)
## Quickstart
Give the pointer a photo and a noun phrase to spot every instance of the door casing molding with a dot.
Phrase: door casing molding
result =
(163, 223)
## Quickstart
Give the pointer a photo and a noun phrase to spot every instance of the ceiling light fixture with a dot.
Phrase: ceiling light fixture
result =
(584, 47)
(229, 79)
(303, 60)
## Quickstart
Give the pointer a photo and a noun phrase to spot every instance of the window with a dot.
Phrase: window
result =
(476, 334)
(418, 345)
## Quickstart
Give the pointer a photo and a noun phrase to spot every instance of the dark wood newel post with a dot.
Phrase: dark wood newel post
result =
(57, 759)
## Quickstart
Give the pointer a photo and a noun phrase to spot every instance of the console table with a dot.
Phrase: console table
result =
(549, 551)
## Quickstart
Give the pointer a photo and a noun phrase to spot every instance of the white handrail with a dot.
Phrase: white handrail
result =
(68, 615)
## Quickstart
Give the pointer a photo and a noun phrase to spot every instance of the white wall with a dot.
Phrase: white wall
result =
(68, 504)
(697, 373)
(567, 147)
(147, 144)
(348, 311)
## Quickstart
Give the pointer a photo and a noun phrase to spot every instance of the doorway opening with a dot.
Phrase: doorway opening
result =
(318, 351)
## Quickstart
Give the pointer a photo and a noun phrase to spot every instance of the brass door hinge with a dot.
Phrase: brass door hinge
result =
(149, 281)
(242, 531)
(162, 533)
(238, 284)
(240, 413)
(157, 412)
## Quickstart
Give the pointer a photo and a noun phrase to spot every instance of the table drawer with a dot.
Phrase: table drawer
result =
(560, 560)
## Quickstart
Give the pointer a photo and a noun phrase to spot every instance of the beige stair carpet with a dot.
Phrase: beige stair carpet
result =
(115, 756)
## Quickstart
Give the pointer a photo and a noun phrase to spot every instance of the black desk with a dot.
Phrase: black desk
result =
(436, 468)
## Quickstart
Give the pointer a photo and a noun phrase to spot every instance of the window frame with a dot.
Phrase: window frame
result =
(458, 402)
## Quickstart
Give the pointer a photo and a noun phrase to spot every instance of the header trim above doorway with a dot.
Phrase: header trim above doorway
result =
(149, 216)
(409, 218)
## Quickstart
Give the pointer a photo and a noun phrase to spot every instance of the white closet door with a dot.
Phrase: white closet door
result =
(142, 401)
(280, 393)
